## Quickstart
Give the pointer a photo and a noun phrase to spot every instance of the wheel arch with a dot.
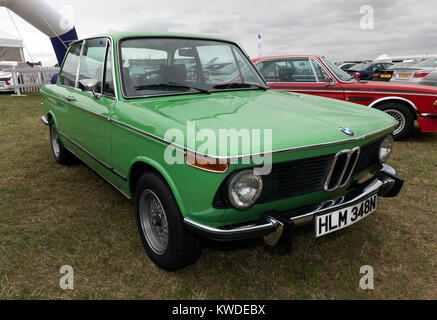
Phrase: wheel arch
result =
(408, 103)
(141, 165)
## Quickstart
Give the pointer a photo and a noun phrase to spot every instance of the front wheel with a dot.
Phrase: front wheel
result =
(403, 116)
(168, 244)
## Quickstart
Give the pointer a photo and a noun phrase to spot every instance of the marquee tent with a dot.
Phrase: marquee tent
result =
(11, 49)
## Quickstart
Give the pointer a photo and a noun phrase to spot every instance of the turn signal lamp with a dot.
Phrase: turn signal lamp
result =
(206, 163)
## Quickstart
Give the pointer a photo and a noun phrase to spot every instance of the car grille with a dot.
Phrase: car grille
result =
(294, 178)
(369, 157)
(290, 179)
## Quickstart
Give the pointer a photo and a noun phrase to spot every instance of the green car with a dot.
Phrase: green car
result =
(186, 127)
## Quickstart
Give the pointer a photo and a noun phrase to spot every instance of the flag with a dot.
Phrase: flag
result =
(260, 42)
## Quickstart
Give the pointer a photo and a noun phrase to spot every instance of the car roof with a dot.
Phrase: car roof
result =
(287, 56)
(120, 35)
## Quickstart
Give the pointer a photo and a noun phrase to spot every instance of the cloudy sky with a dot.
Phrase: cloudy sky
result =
(325, 27)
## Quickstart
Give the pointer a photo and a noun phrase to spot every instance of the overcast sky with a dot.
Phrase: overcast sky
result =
(324, 27)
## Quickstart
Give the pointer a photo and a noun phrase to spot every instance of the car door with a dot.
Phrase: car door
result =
(90, 117)
(300, 74)
(62, 94)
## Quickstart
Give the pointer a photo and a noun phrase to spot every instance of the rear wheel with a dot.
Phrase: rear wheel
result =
(167, 242)
(403, 116)
(61, 155)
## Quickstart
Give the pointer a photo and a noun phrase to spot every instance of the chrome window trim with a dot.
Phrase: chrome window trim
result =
(327, 72)
(181, 93)
(78, 67)
(63, 63)
(332, 72)
(299, 82)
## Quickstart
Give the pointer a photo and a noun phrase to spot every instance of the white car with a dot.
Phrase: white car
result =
(6, 81)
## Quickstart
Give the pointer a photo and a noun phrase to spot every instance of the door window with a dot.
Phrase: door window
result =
(68, 74)
(92, 60)
(290, 70)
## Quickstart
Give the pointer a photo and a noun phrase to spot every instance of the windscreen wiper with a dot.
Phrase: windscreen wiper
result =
(171, 85)
(236, 85)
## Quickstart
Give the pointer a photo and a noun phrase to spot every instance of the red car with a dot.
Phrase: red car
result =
(316, 75)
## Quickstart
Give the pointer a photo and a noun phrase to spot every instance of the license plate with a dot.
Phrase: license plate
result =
(2, 84)
(343, 218)
(385, 76)
(404, 76)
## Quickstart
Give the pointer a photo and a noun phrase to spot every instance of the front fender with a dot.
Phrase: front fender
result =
(158, 167)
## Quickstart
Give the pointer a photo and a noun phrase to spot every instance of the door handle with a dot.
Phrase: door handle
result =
(70, 98)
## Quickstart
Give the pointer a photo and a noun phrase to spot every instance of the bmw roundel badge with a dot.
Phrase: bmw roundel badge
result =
(347, 131)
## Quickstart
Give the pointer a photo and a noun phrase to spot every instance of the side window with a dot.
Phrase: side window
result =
(377, 67)
(321, 74)
(92, 59)
(67, 76)
(298, 70)
(108, 88)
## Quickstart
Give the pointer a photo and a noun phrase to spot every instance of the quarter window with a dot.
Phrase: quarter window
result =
(69, 69)
(108, 88)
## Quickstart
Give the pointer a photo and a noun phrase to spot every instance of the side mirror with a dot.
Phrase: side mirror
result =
(89, 85)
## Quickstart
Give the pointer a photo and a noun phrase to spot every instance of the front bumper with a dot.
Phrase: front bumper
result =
(271, 225)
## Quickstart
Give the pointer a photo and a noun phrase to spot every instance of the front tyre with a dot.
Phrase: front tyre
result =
(61, 155)
(168, 244)
(403, 116)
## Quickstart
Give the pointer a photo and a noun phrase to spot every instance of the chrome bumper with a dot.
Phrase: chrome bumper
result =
(386, 183)
(44, 121)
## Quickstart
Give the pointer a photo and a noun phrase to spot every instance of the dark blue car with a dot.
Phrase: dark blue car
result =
(366, 70)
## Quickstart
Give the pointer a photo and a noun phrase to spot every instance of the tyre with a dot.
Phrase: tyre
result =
(403, 116)
(61, 155)
(160, 224)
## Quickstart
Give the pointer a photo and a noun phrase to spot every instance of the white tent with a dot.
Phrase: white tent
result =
(11, 49)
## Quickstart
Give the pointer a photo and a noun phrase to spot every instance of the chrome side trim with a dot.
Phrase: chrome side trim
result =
(76, 106)
(104, 164)
(121, 191)
(279, 151)
(429, 115)
(395, 98)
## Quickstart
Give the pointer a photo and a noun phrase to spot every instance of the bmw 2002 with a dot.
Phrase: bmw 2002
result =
(127, 104)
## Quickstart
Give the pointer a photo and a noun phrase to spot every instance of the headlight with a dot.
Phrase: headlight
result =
(244, 189)
(386, 149)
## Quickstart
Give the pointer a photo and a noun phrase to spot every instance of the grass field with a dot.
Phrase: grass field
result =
(52, 215)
